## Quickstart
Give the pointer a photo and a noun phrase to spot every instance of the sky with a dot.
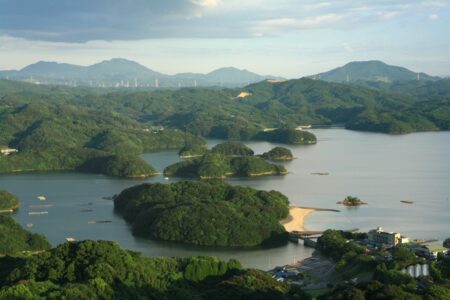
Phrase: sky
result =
(290, 38)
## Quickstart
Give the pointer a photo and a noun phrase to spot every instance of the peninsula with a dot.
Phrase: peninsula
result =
(8, 201)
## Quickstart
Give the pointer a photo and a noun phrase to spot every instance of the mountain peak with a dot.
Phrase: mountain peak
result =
(372, 70)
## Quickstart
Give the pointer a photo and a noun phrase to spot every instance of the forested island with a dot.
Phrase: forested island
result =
(205, 213)
(288, 136)
(278, 154)
(8, 201)
(351, 201)
(232, 149)
(224, 160)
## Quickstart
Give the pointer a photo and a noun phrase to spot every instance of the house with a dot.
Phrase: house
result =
(378, 237)
(431, 251)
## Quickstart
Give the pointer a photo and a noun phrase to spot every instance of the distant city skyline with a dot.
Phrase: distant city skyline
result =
(286, 37)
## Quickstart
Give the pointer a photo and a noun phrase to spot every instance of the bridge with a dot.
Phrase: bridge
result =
(309, 236)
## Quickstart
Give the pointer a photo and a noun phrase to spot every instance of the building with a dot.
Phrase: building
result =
(378, 237)
(8, 151)
(431, 251)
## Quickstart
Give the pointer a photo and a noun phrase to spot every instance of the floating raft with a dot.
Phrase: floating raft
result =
(99, 222)
(31, 213)
(41, 206)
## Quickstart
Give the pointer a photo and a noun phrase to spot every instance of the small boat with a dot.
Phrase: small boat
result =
(41, 198)
(29, 225)
(86, 210)
(38, 213)
(166, 178)
(406, 202)
(70, 239)
(320, 173)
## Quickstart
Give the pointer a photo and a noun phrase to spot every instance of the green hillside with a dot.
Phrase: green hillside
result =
(14, 239)
(373, 71)
(102, 270)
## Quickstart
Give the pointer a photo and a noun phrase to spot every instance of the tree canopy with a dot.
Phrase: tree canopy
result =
(204, 213)
(8, 200)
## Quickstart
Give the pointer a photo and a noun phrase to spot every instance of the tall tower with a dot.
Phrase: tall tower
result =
(195, 83)
(418, 76)
(156, 83)
(348, 78)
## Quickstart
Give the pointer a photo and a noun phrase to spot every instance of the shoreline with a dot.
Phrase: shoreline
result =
(295, 221)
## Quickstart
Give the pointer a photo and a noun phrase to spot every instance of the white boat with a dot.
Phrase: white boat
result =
(29, 225)
(70, 239)
(166, 178)
(41, 198)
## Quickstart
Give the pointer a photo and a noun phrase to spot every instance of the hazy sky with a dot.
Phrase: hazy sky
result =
(290, 38)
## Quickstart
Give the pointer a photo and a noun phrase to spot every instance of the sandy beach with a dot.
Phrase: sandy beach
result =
(295, 220)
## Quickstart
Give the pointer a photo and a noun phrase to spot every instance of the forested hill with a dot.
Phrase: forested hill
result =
(102, 270)
(372, 70)
(221, 113)
(123, 73)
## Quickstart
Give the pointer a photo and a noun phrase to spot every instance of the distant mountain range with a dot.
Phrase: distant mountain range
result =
(372, 71)
(120, 72)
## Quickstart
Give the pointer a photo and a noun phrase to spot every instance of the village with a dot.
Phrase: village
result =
(320, 272)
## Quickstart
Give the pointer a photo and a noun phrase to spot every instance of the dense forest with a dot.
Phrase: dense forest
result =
(8, 201)
(15, 240)
(62, 128)
(102, 270)
(205, 213)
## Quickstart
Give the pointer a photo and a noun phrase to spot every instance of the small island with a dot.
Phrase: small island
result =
(211, 213)
(232, 149)
(289, 136)
(351, 201)
(218, 166)
(278, 154)
(8, 201)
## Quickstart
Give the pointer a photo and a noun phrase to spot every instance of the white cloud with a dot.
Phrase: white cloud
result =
(433, 17)
(438, 4)
(387, 15)
(207, 3)
(294, 24)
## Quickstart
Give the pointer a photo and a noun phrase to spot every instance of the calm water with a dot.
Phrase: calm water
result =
(378, 168)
